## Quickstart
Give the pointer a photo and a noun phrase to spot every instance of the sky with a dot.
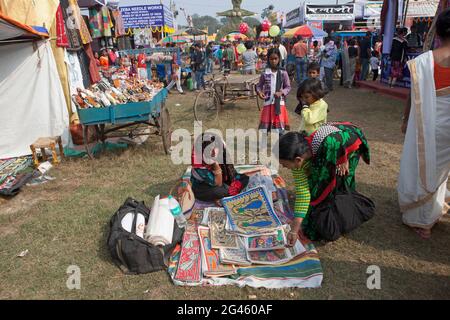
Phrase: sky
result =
(210, 7)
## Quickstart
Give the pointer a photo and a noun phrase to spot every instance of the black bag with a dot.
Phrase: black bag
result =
(131, 253)
(19, 181)
(343, 213)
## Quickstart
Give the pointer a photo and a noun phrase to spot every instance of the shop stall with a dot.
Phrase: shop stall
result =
(417, 16)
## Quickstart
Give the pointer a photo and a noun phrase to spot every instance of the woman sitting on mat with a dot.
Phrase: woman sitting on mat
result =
(314, 161)
(212, 177)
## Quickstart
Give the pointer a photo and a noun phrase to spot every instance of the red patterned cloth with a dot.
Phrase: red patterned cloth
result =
(61, 35)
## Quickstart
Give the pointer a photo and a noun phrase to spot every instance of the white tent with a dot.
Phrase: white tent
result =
(32, 103)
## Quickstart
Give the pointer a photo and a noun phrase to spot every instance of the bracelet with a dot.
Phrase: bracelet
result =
(296, 233)
(216, 173)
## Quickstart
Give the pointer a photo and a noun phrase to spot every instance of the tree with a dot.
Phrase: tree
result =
(252, 22)
(203, 22)
(224, 20)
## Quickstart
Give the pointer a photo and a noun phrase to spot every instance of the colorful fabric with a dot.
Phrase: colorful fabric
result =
(314, 116)
(95, 22)
(302, 194)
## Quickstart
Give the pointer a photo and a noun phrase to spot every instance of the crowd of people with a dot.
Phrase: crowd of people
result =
(323, 156)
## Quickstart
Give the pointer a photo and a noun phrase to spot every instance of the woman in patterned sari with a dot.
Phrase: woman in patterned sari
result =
(425, 163)
(316, 161)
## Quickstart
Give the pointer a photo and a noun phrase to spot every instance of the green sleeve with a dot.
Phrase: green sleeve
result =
(302, 194)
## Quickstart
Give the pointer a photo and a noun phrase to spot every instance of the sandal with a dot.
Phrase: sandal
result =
(423, 233)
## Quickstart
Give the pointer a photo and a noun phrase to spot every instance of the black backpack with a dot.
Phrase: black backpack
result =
(131, 253)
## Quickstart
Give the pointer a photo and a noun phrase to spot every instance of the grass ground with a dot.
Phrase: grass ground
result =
(65, 222)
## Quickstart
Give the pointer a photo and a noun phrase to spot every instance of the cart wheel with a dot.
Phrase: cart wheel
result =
(166, 130)
(86, 140)
(206, 107)
(258, 99)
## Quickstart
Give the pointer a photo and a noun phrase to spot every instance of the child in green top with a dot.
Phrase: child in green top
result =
(315, 109)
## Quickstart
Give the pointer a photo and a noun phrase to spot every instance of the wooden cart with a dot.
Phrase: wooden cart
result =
(224, 89)
(128, 120)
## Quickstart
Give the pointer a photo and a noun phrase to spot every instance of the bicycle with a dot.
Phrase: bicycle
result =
(208, 102)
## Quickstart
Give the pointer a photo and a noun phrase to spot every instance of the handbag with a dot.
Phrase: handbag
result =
(342, 213)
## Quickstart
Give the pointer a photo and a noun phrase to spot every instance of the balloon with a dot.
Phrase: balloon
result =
(243, 28)
(265, 26)
(241, 48)
(274, 31)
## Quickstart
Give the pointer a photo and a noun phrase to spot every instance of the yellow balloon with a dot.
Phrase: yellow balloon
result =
(274, 31)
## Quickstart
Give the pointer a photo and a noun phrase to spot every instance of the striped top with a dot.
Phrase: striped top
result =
(302, 194)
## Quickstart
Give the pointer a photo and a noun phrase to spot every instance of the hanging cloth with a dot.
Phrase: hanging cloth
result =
(61, 35)
(119, 25)
(95, 22)
(72, 28)
(84, 65)
(93, 67)
(107, 23)
(82, 27)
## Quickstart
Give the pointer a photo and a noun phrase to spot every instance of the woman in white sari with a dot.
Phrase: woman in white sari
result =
(425, 162)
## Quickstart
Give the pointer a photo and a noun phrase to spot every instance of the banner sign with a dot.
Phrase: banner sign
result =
(293, 17)
(422, 8)
(168, 17)
(373, 9)
(143, 16)
(330, 12)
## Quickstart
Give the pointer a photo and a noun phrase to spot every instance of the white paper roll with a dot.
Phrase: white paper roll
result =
(159, 229)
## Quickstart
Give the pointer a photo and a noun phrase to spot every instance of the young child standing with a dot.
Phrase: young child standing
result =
(374, 64)
(274, 86)
(313, 73)
(314, 111)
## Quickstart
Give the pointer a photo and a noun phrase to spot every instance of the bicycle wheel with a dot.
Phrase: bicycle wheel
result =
(206, 107)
